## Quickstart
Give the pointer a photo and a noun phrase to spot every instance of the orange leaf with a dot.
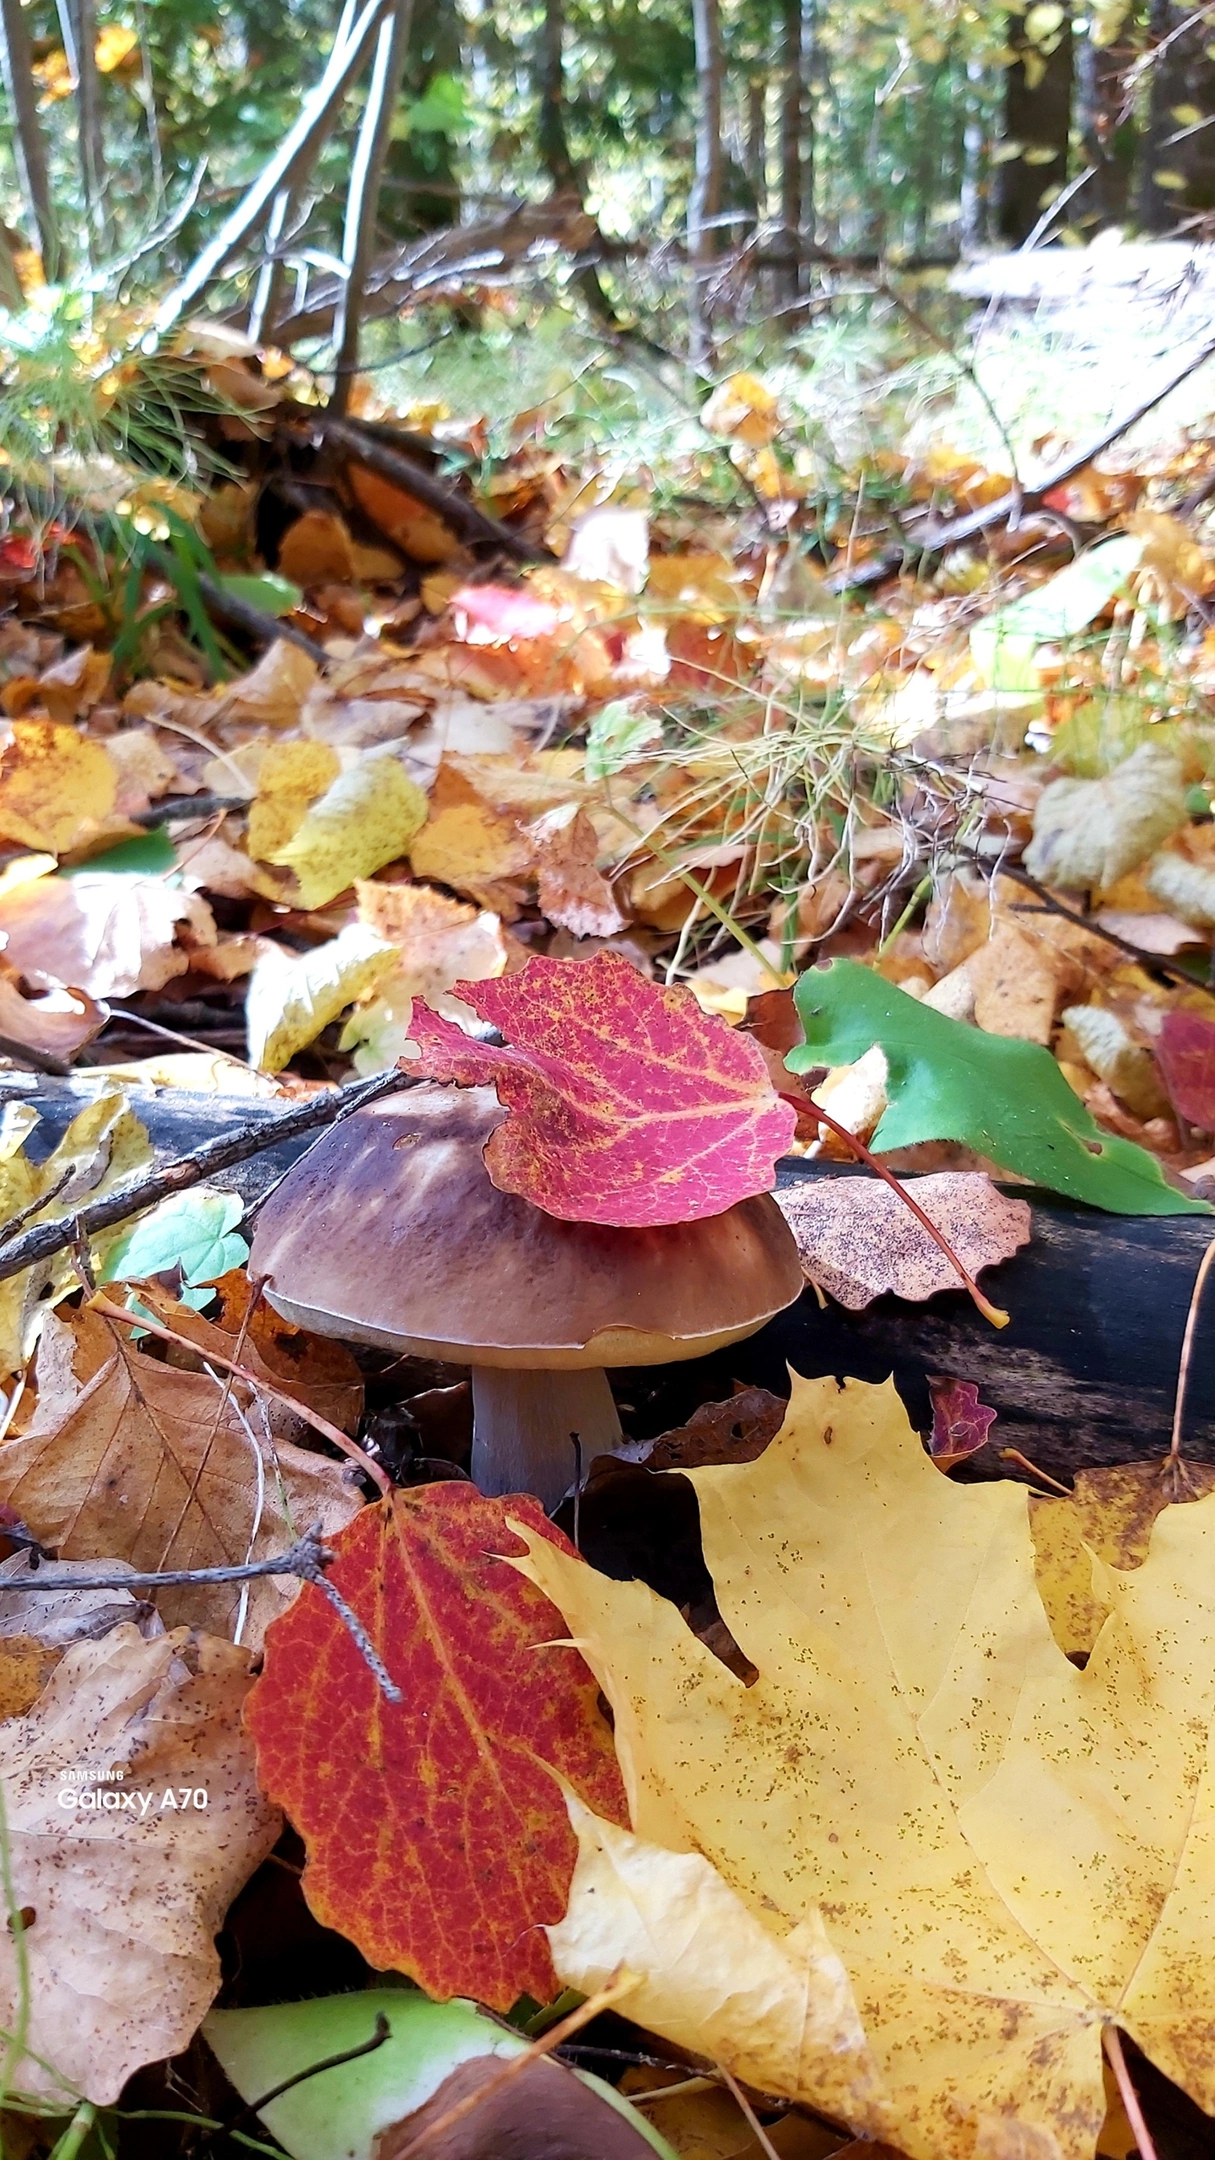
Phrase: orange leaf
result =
(438, 1839)
(628, 1104)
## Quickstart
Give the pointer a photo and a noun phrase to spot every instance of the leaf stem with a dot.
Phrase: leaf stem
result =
(995, 1313)
(1111, 2041)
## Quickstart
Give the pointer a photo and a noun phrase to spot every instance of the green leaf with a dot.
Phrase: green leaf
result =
(441, 110)
(274, 595)
(341, 2114)
(193, 1231)
(617, 732)
(1005, 1098)
(152, 854)
(1004, 644)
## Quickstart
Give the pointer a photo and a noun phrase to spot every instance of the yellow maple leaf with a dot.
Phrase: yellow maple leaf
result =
(1007, 1854)
(56, 787)
(366, 818)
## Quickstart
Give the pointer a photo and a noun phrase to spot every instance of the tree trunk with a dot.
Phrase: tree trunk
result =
(1037, 124)
(78, 22)
(363, 200)
(553, 142)
(29, 148)
(704, 203)
(1108, 135)
(1177, 180)
(792, 103)
(757, 142)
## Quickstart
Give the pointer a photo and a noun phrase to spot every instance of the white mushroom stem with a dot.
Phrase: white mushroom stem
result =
(522, 1421)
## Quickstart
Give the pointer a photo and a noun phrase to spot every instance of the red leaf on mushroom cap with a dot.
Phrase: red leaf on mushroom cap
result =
(437, 1835)
(628, 1104)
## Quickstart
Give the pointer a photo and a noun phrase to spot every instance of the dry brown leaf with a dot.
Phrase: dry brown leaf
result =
(857, 1239)
(145, 769)
(439, 942)
(314, 1369)
(125, 1902)
(101, 932)
(56, 787)
(74, 684)
(572, 890)
(418, 532)
(316, 548)
(273, 693)
(130, 1457)
(1017, 988)
(476, 836)
(1109, 1516)
(25, 1667)
(1124, 1065)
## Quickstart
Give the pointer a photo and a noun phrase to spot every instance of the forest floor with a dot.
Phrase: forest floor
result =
(813, 769)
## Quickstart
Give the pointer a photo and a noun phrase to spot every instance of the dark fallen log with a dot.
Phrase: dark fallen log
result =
(1086, 1371)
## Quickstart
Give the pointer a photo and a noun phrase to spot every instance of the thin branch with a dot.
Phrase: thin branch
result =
(936, 540)
(257, 1381)
(223, 1153)
(363, 200)
(293, 158)
(1172, 1470)
(307, 1558)
(749, 2115)
(367, 447)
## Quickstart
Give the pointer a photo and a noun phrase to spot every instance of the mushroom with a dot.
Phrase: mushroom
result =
(389, 1231)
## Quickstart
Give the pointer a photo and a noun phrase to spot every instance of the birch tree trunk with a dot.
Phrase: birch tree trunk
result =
(29, 147)
(704, 203)
(363, 200)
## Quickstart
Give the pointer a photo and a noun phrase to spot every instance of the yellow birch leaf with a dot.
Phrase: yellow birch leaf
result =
(56, 787)
(293, 996)
(1109, 1517)
(1005, 1852)
(365, 819)
(290, 778)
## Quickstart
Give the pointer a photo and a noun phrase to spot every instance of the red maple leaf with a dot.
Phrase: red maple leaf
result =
(628, 1104)
(1185, 1053)
(437, 1836)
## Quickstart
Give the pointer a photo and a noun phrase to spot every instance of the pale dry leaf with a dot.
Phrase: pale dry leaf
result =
(75, 684)
(1017, 985)
(856, 1094)
(437, 942)
(131, 1457)
(126, 1902)
(1009, 1853)
(1185, 888)
(292, 996)
(57, 1024)
(57, 1614)
(145, 768)
(857, 1239)
(1089, 833)
(101, 932)
(273, 693)
(1124, 1065)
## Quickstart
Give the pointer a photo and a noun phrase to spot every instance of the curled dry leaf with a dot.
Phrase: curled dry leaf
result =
(125, 1900)
(857, 1239)
(436, 1832)
(1009, 1853)
(164, 1469)
(293, 996)
(627, 1104)
(1125, 1065)
(961, 1424)
(1089, 833)
(572, 890)
(101, 932)
(58, 1024)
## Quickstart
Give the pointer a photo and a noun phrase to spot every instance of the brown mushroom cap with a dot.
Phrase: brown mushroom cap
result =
(390, 1232)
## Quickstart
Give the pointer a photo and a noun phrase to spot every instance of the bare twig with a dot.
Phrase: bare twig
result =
(223, 1153)
(257, 1381)
(307, 1558)
(752, 2120)
(934, 540)
(381, 2031)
